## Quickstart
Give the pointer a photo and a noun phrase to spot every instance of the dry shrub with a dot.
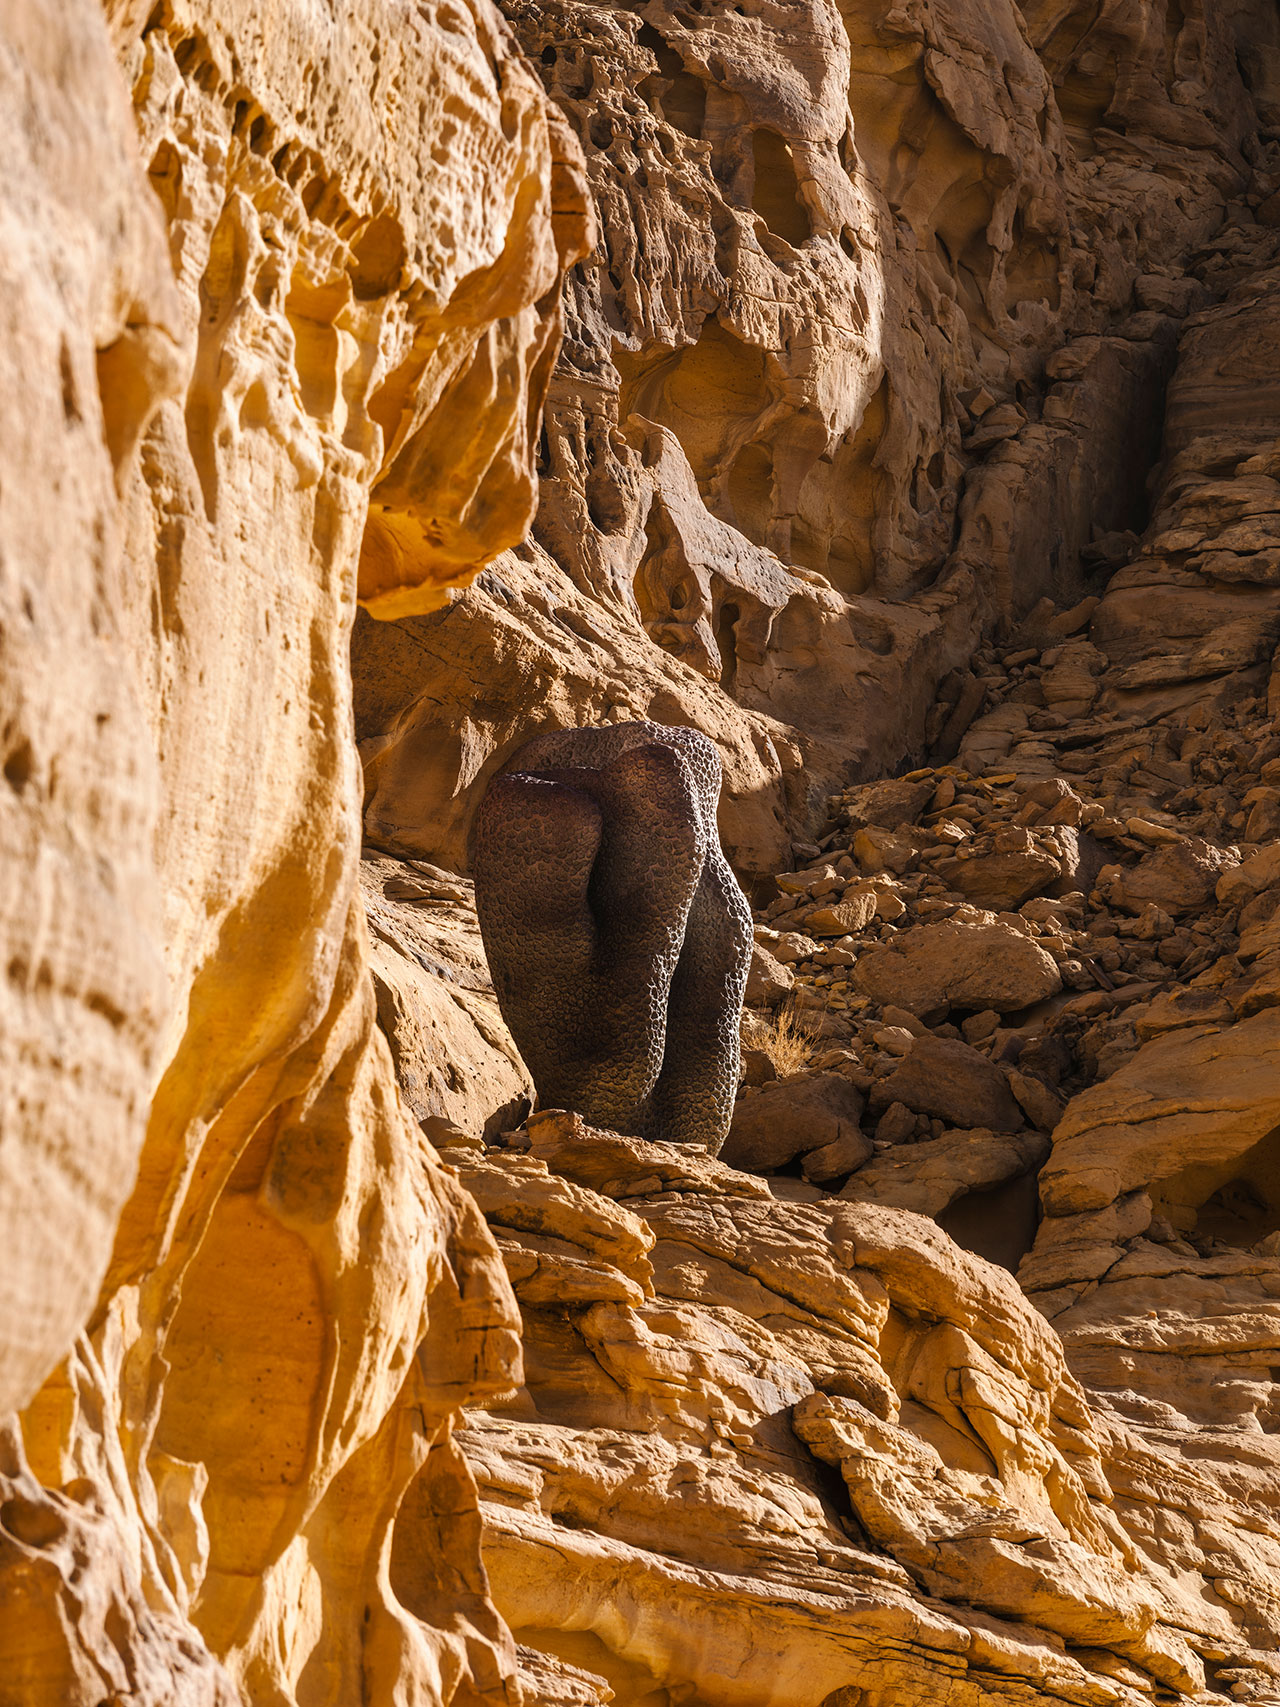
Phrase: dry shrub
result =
(786, 1040)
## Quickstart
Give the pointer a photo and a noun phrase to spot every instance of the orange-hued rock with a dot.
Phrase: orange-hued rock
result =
(933, 967)
(912, 434)
(275, 340)
(82, 998)
(860, 361)
(654, 1512)
(1198, 1098)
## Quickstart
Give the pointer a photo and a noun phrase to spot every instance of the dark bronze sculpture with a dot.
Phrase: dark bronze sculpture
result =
(617, 935)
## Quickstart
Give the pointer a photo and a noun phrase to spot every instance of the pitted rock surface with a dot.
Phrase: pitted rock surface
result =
(616, 932)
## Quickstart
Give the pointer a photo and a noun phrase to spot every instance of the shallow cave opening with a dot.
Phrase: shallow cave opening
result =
(999, 1224)
(1236, 1201)
(630, 1680)
(726, 644)
(749, 490)
(678, 95)
(776, 195)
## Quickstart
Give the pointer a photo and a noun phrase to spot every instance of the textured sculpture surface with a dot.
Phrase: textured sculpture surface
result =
(617, 934)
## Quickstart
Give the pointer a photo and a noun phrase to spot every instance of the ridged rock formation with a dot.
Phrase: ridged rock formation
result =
(275, 339)
(870, 351)
(912, 391)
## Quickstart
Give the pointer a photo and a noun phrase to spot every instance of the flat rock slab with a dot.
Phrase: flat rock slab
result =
(1001, 880)
(1202, 1097)
(930, 1177)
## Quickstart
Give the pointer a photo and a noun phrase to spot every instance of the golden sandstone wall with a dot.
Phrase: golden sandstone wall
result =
(281, 291)
(866, 351)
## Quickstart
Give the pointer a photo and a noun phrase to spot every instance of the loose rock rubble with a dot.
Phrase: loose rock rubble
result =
(1020, 921)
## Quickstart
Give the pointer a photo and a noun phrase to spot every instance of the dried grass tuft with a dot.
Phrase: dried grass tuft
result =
(787, 1041)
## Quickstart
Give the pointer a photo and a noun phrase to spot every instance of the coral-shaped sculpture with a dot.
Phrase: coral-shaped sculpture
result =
(617, 935)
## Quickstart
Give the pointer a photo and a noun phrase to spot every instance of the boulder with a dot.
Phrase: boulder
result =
(1242, 882)
(757, 1067)
(1180, 877)
(1001, 881)
(1069, 684)
(1081, 857)
(1191, 1105)
(791, 1118)
(933, 967)
(946, 1078)
(1264, 815)
(838, 1159)
(768, 980)
(879, 850)
(896, 1125)
(843, 918)
(805, 882)
(1042, 1106)
(888, 804)
(791, 946)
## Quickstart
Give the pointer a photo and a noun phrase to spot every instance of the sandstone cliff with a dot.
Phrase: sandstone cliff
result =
(910, 383)
(275, 339)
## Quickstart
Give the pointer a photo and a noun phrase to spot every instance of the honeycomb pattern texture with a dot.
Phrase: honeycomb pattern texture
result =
(616, 933)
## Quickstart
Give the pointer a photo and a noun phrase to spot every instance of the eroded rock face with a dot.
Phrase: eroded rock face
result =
(871, 349)
(697, 1351)
(845, 462)
(83, 994)
(230, 391)
(617, 935)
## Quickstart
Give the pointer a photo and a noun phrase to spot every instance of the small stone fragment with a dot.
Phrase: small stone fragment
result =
(854, 913)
